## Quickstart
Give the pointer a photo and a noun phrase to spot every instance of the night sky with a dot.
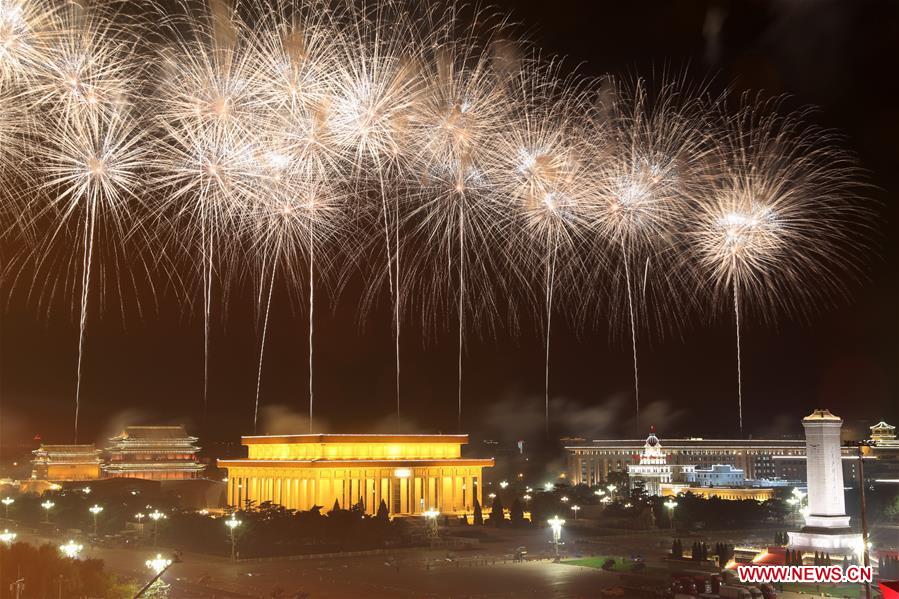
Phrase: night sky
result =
(840, 56)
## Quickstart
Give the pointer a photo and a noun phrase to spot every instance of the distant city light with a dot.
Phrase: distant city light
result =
(7, 537)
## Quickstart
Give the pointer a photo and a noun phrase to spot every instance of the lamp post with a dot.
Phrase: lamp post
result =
(158, 564)
(575, 509)
(95, 511)
(47, 505)
(232, 523)
(671, 504)
(863, 448)
(7, 501)
(156, 516)
(7, 537)
(71, 549)
(431, 515)
(556, 524)
(796, 502)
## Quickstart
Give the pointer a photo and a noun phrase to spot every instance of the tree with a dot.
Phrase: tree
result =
(336, 507)
(705, 552)
(674, 548)
(478, 513)
(383, 514)
(496, 512)
(516, 513)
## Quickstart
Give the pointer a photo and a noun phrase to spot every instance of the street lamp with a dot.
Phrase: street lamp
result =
(232, 523)
(47, 505)
(158, 564)
(140, 517)
(671, 504)
(7, 501)
(71, 549)
(95, 511)
(564, 499)
(548, 486)
(599, 492)
(156, 516)
(504, 484)
(431, 515)
(556, 524)
(7, 537)
(575, 509)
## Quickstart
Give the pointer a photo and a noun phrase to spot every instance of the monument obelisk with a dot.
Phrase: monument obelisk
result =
(826, 525)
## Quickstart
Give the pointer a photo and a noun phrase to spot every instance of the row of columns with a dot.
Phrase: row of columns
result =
(415, 494)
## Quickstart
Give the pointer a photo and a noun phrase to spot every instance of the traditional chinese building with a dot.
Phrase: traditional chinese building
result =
(66, 462)
(153, 452)
(410, 473)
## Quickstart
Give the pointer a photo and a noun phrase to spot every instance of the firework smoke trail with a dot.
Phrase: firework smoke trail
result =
(630, 310)
(461, 307)
(90, 221)
(311, 314)
(739, 361)
(550, 286)
(268, 306)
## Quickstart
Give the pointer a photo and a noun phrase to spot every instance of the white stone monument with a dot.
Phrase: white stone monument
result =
(826, 525)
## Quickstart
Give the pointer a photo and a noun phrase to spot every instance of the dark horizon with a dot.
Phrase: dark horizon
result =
(838, 56)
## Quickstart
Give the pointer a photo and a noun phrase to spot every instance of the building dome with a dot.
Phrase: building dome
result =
(652, 440)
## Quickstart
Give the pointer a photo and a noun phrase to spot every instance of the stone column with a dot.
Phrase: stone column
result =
(824, 470)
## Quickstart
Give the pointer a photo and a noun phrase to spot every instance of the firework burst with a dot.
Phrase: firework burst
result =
(778, 231)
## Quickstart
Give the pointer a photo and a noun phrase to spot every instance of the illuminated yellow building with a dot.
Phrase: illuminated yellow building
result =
(410, 473)
(731, 494)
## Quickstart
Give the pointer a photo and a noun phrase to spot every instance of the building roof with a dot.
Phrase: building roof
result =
(152, 432)
(353, 438)
(350, 463)
(824, 414)
(671, 444)
(87, 448)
